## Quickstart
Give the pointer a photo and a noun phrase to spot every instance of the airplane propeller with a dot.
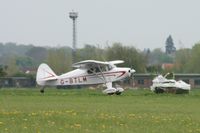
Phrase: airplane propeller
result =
(131, 71)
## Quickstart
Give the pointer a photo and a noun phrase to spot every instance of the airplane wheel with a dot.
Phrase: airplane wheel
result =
(42, 90)
(159, 90)
(111, 93)
(118, 93)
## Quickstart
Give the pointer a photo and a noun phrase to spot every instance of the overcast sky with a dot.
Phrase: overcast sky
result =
(139, 23)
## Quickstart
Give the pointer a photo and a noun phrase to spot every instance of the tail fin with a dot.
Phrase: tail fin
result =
(45, 73)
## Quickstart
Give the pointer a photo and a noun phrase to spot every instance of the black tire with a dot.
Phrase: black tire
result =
(42, 90)
(110, 93)
(159, 90)
(118, 93)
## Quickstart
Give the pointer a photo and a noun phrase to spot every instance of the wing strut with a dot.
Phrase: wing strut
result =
(102, 74)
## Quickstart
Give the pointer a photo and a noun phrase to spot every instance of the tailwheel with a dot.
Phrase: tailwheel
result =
(42, 90)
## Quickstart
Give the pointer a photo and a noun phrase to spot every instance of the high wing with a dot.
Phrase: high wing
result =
(94, 63)
(88, 64)
(116, 62)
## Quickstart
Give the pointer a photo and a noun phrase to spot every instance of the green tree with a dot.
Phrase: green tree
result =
(170, 48)
(182, 58)
(12, 68)
(90, 52)
(38, 54)
(24, 61)
(194, 61)
(157, 56)
(130, 55)
(60, 60)
(3, 71)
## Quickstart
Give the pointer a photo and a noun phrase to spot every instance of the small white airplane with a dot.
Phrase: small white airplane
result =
(87, 72)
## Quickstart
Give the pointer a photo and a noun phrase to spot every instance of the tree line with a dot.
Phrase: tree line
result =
(16, 58)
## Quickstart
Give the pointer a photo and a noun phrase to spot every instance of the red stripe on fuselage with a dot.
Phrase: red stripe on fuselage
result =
(109, 74)
(51, 75)
(123, 72)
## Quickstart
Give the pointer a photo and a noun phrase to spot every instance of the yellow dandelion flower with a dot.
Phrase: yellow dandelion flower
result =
(33, 114)
(77, 125)
(46, 114)
(103, 126)
(113, 116)
(69, 111)
(131, 115)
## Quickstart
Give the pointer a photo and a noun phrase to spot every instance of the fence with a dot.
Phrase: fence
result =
(17, 82)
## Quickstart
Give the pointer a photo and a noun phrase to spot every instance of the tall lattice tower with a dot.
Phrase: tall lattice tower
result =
(73, 15)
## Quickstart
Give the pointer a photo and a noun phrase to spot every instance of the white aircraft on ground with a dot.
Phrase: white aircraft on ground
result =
(87, 72)
(162, 84)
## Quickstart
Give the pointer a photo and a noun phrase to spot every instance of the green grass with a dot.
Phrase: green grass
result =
(28, 111)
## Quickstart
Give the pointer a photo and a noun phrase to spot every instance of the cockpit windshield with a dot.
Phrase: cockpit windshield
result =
(101, 68)
(110, 67)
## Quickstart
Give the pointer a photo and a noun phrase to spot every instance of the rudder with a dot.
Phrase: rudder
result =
(44, 73)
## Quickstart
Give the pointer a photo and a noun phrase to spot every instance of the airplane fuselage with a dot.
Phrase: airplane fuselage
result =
(82, 77)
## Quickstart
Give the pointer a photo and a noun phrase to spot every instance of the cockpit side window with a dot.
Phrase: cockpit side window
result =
(103, 68)
(97, 69)
(90, 70)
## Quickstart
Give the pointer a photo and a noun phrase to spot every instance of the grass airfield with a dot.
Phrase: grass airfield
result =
(84, 110)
